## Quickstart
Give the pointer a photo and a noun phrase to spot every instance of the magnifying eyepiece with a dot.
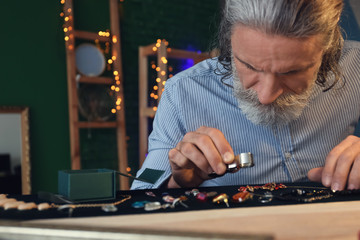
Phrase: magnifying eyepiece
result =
(243, 160)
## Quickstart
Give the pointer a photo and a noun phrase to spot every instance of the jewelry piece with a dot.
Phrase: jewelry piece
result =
(43, 206)
(201, 197)
(12, 204)
(267, 186)
(90, 205)
(242, 196)
(6, 200)
(109, 208)
(179, 200)
(152, 206)
(243, 160)
(151, 194)
(221, 198)
(27, 206)
(139, 204)
(266, 197)
(211, 194)
(3, 196)
(301, 195)
(168, 198)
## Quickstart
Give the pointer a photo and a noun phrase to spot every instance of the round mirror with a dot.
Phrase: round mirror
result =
(90, 61)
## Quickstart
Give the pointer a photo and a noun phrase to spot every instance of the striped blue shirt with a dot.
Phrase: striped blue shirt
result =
(197, 97)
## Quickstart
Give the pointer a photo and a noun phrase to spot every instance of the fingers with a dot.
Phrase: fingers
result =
(354, 177)
(342, 165)
(199, 153)
(315, 174)
(179, 162)
(184, 172)
(220, 143)
(214, 147)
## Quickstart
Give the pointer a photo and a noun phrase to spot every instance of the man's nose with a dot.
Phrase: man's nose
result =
(270, 88)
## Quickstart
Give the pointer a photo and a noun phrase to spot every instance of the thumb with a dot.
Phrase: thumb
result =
(315, 174)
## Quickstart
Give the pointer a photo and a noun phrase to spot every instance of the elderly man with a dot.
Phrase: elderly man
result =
(285, 87)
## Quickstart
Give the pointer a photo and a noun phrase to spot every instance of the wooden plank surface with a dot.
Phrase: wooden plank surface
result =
(338, 220)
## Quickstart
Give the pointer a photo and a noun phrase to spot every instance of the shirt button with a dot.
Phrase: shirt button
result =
(287, 155)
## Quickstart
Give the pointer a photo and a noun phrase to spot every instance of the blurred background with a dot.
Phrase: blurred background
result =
(34, 67)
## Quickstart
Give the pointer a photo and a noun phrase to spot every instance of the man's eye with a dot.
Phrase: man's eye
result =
(249, 67)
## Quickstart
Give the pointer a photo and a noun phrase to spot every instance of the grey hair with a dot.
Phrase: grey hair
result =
(289, 18)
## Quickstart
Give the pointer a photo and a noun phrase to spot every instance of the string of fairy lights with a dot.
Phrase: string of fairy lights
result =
(70, 42)
(162, 68)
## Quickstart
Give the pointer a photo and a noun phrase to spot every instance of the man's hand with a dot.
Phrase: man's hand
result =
(342, 166)
(199, 153)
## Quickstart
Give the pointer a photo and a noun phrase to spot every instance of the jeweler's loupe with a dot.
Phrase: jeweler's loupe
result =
(243, 160)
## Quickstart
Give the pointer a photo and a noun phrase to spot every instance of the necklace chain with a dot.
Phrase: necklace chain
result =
(91, 205)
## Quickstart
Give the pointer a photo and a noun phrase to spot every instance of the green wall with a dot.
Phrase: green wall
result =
(34, 70)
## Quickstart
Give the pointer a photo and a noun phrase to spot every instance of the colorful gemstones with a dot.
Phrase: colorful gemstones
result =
(139, 204)
(201, 197)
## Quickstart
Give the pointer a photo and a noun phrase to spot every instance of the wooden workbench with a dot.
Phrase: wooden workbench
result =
(334, 220)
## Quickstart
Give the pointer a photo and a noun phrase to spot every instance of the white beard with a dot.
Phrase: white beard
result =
(284, 109)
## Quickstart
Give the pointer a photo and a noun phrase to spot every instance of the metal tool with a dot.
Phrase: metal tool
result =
(243, 160)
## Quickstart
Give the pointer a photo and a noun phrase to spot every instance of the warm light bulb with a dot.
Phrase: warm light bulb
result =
(118, 107)
(65, 29)
(113, 110)
(153, 66)
(66, 19)
(117, 89)
(163, 83)
(117, 82)
(155, 108)
(110, 61)
(154, 49)
(113, 87)
(158, 45)
(113, 58)
(163, 73)
(117, 78)
(116, 73)
(66, 38)
(158, 80)
(156, 88)
(114, 39)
